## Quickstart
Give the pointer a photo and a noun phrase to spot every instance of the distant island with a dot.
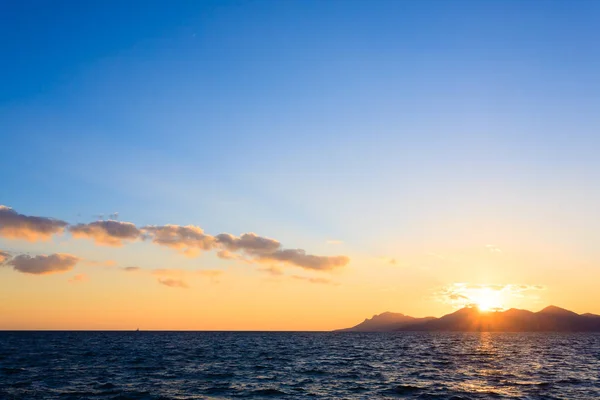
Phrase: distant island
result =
(471, 319)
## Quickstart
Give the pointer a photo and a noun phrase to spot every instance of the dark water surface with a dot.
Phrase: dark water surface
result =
(218, 365)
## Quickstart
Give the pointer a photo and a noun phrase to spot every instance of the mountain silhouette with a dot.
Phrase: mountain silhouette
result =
(385, 322)
(471, 319)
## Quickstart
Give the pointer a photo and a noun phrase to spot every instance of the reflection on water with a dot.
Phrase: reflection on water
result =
(185, 365)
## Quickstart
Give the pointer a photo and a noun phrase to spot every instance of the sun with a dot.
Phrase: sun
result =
(487, 299)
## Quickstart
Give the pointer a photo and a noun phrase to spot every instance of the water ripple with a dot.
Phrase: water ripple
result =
(223, 365)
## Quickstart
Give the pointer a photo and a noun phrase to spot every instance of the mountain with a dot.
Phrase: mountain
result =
(471, 319)
(588, 315)
(557, 311)
(385, 322)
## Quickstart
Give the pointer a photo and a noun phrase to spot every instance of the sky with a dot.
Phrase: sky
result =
(295, 165)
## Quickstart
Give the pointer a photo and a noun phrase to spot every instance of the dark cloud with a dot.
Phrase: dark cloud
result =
(265, 249)
(174, 283)
(131, 269)
(42, 264)
(299, 258)
(18, 226)
(108, 233)
(187, 239)
(250, 243)
(191, 239)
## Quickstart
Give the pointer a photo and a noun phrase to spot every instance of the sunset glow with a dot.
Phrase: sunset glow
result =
(487, 299)
(295, 165)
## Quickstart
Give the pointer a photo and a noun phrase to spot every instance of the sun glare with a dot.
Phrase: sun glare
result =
(487, 299)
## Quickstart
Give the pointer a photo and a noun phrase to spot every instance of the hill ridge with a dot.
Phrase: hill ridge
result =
(471, 319)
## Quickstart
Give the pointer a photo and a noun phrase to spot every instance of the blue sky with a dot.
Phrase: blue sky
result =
(384, 124)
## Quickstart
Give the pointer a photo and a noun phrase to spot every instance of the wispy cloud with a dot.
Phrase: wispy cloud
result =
(212, 274)
(493, 249)
(174, 283)
(79, 278)
(131, 269)
(388, 260)
(313, 280)
(168, 272)
(462, 294)
(107, 263)
(272, 270)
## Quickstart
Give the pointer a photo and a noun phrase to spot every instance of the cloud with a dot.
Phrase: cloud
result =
(18, 226)
(272, 270)
(79, 278)
(168, 272)
(249, 243)
(107, 263)
(191, 239)
(299, 258)
(211, 273)
(131, 269)
(187, 239)
(4, 256)
(462, 294)
(313, 280)
(43, 264)
(492, 248)
(388, 260)
(227, 255)
(107, 233)
(174, 283)
(174, 277)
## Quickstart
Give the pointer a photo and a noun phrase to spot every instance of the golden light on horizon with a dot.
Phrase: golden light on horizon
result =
(487, 299)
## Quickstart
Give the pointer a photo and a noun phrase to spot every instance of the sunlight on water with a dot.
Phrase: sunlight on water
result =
(181, 365)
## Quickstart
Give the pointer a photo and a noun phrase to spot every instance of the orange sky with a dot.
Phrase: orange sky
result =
(126, 284)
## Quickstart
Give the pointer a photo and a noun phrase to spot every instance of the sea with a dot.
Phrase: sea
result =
(311, 365)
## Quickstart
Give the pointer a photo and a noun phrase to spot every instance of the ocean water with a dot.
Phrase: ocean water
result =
(223, 365)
